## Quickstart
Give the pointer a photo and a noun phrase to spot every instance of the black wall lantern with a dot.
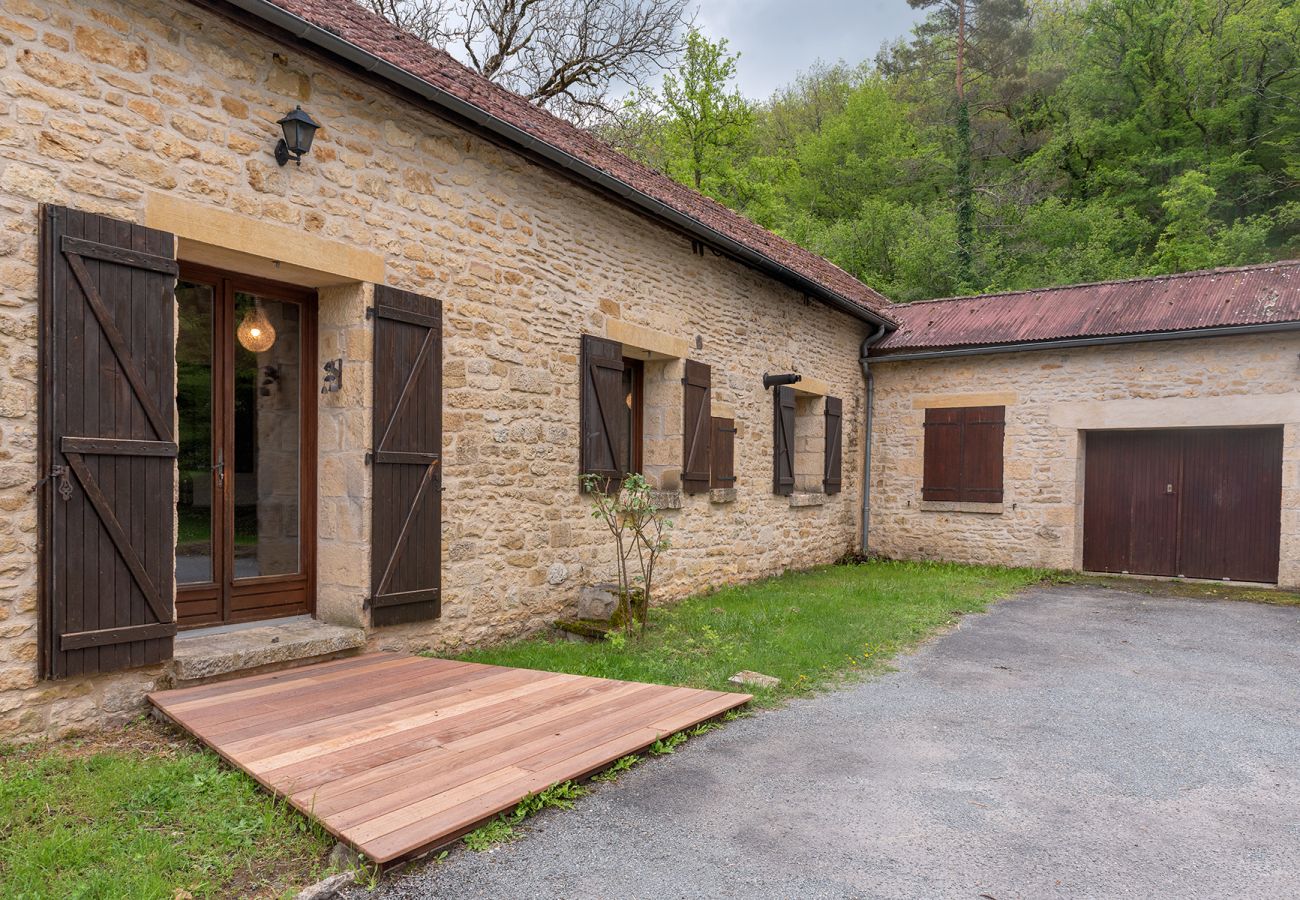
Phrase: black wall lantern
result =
(771, 380)
(299, 130)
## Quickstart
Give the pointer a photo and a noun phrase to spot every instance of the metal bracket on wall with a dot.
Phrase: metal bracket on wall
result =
(333, 376)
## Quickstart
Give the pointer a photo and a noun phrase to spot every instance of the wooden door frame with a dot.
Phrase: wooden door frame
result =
(224, 588)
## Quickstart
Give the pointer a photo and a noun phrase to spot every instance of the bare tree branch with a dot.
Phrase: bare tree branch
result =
(576, 58)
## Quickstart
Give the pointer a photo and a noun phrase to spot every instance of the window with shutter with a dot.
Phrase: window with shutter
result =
(108, 443)
(696, 427)
(783, 440)
(603, 414)
(963, 454)
(611, 410)
(406, 526)
(833, 456)
(722, 452)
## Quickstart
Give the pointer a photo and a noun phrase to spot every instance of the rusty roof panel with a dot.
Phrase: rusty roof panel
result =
(1248, 295)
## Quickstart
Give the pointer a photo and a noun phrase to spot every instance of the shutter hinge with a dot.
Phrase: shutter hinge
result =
(370, 313)
(370, 458)
(60, 473)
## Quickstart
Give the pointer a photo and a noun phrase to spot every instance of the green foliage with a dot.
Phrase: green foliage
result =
(808, 628)
(1087, 140)
(669, 744)
(145, 817)
(501, 829)
(491, 834)
(613, 772)
(640, 534)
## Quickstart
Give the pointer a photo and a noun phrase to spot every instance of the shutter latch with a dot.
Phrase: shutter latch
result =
(60, 473)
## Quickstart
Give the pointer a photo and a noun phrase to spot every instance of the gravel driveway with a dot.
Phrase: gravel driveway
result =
(1072, 742)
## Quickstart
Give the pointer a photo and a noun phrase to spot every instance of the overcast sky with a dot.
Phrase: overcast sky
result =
(777, 39)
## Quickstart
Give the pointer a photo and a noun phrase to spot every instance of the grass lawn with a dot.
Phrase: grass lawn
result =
(140, 812)
(807, 628)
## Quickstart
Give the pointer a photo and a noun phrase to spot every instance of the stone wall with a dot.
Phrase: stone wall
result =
(108, 106)
(1052, 396)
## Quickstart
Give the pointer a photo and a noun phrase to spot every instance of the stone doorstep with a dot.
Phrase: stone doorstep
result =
(204, 656)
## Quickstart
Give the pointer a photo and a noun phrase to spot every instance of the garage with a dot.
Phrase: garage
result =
(1189, 502)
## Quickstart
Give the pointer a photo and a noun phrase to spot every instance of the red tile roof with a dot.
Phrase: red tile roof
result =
(347, 20)
(1248, 295)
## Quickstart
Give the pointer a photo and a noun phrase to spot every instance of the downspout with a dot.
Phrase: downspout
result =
(867, 376)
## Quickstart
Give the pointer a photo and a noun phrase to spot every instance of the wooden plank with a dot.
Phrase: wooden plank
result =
(183, 699)
(368, 762)
(312, 705)
(124, 634)
(395, 755)
(341, 794)
(331, 688)
(260, 757)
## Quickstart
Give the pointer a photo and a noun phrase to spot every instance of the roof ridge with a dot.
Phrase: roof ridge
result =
(360, 28)
(1194, 273)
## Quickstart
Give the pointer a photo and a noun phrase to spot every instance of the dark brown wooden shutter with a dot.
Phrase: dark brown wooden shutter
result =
(722, 447)
(108, 447)
(783, 440)
(943, 433)
(406, 522)
(696, 388)
(981, 468)
(963, 454)
(604, 439)
(833, 457)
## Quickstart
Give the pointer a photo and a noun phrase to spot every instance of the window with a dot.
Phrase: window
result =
(611, 413)
(783, 415)
(963, 454)
(632, 413)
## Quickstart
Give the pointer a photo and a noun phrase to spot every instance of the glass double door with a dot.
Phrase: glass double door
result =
(245, 510)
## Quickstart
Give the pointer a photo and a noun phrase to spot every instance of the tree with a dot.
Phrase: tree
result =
(694, 130)
(569, 56)
(1107, 139)
(981, 39)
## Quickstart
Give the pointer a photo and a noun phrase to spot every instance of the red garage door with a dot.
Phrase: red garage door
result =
(1200, 503)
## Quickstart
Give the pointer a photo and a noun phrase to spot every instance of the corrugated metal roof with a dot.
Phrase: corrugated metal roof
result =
(1248, 295)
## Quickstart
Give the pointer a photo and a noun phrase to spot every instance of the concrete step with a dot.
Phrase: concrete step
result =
(215, 653)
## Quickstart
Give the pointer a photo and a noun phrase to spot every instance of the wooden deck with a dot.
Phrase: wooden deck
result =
(397, 754)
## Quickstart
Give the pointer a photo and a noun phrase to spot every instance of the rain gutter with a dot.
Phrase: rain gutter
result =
(1070, 343)
(869, 378)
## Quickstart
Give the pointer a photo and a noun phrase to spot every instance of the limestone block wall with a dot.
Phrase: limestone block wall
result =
(1051, 397)
(121, 108)
(343, 427)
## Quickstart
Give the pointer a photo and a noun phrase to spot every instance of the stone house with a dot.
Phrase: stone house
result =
(352, 395)
(259, 406)
(1148, 426)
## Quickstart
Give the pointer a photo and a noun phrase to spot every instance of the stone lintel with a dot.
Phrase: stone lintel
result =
(227, 240)
(640, 342)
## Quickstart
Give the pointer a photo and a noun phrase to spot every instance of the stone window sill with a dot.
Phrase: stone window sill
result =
(722, 495)
(801, 499)
(666, 499)
(988, 509)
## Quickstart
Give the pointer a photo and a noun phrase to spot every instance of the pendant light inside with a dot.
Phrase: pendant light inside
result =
(256, 333)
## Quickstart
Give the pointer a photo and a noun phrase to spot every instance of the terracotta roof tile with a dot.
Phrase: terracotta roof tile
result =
(349, 21)
(1248, 295)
